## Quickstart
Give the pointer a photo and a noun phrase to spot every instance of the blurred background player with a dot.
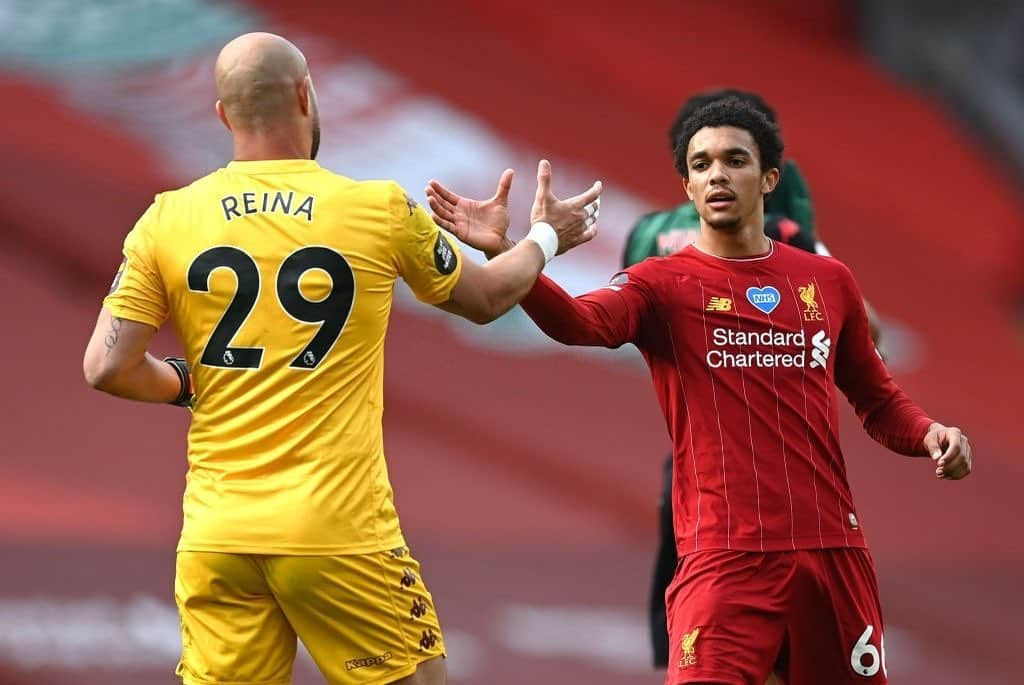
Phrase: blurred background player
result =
(788, 218)
(278, 276)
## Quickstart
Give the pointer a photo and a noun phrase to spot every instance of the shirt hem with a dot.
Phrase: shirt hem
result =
(786, 544)
(444, 295)
(122, 311)
(292, 549)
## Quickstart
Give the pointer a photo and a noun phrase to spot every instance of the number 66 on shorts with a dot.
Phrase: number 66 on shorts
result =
(866, 659)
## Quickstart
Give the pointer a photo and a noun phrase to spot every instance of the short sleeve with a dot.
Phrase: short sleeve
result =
(425, 257)
(138, 293)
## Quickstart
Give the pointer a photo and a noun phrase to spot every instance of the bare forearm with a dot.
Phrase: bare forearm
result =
(511, 275)
(116, 362)
(485, 292)
(149, 380)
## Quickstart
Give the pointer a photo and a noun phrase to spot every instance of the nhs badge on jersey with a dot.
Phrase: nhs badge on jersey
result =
(766, 299)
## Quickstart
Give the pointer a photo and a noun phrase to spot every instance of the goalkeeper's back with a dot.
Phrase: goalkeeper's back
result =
(278, 276)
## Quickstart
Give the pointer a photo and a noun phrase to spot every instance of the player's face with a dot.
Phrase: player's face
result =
(726, 183)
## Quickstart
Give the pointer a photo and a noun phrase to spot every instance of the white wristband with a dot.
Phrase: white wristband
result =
(544, 235)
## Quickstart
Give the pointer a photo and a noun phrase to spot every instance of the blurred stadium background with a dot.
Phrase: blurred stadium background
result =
(526, 474)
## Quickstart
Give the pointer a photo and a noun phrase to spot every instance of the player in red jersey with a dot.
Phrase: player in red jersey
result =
(746, 339)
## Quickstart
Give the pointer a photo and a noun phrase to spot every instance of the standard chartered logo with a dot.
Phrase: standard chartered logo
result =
(784, 349)
(822, 345)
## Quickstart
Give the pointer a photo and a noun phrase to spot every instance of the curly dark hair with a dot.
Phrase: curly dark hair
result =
(697, 101)
(732, 112)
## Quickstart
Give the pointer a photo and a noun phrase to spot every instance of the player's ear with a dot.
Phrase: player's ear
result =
(221, 114)
(769, 180)
(689, 192)
(305, 93)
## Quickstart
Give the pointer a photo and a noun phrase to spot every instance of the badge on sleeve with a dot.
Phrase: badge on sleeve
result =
(444, 256)
(411, 204)
(618, 280)
(117, 277)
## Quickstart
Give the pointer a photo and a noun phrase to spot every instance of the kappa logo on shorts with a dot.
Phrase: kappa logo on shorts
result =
(429, 640)
(353, 664)
(419, 608)
(688, 647)
(408, 578)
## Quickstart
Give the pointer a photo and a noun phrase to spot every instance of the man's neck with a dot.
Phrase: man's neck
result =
(259, 148)
(748, 240)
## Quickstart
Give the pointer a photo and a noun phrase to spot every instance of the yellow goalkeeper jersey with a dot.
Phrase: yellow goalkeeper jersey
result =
(279, 277)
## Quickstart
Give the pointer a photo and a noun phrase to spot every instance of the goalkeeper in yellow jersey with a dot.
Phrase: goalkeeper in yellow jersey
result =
(278, 276)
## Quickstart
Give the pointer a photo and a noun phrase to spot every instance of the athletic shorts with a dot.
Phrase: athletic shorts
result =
(811, 616)
(365, 618)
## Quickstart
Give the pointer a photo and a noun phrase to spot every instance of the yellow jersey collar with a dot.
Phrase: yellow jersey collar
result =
(274, 166)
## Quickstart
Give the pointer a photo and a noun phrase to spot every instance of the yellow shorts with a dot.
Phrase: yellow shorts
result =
(365, 618)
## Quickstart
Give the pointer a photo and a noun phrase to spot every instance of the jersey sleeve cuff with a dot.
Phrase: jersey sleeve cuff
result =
(129, 313)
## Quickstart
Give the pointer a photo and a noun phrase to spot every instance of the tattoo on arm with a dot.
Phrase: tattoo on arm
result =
(112, 334)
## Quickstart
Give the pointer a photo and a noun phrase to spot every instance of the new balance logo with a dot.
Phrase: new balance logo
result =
(719, 304)
(819, 353)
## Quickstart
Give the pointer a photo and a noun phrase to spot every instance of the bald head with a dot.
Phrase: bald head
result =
(258, 80)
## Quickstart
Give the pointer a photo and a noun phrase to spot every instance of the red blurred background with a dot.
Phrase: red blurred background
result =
(526, 474)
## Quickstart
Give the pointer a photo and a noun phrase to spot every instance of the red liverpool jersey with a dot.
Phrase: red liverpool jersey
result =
(745, 355)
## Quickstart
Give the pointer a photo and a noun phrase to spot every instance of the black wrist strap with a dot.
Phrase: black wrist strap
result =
(184, 398)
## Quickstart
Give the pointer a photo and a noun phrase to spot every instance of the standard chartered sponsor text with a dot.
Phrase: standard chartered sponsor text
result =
(781, 354)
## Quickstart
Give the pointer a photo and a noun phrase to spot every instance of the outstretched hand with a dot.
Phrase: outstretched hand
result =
(574, 219)
(482, 224)
(950, 450)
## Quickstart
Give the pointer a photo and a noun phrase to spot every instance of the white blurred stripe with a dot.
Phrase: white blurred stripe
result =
(612, 638)
(375, 125)
(84, 633)
(141, 632)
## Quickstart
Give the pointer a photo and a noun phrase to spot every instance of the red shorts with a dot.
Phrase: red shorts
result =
(811, 616)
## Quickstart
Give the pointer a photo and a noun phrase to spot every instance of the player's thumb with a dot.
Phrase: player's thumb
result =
(504, 186)
(543, 178)
(593, 194)
(931, 444)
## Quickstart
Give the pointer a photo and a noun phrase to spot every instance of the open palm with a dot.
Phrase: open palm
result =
(478, 223)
